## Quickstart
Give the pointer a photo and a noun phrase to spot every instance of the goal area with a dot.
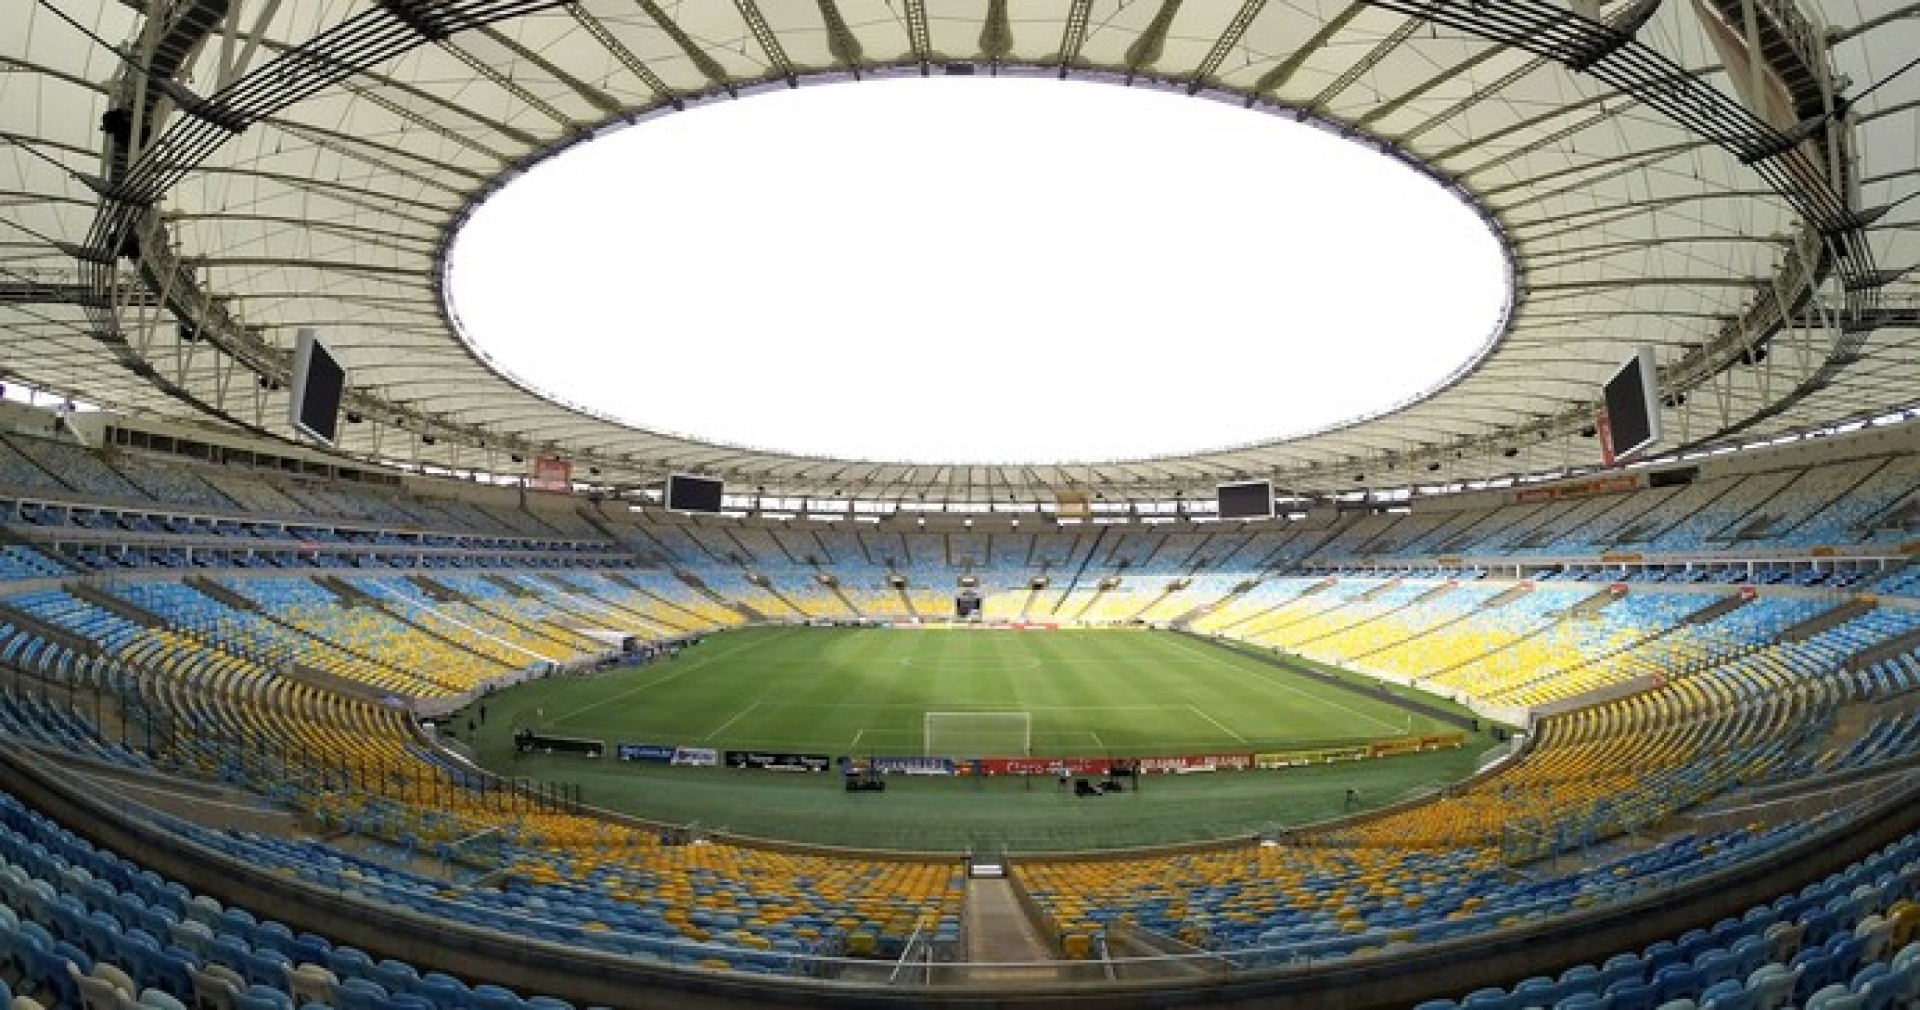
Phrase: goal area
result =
(978, 734)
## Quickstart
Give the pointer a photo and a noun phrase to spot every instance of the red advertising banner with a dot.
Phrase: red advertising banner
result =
(551, 474)
(1041, 766)
(1179, 765)
(1613, 484)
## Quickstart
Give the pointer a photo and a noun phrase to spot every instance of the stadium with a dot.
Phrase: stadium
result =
(348, 660)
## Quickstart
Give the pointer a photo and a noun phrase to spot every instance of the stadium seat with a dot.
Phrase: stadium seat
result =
(56, 969)
(444, 991)
(1729, 994)
(1771, 985)
(216, 987)
(493, 997)
(262, 997)
(1677, 982)
(356, 993)
(1631, 994)
(311, 983)
(1906, 968)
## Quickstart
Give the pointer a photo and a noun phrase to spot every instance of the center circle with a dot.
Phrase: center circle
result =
(993, 270)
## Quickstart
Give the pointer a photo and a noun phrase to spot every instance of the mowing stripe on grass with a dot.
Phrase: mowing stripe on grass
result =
(1294, 689)
(702, 661)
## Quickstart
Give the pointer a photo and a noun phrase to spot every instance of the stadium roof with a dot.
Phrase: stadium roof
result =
(183, 193)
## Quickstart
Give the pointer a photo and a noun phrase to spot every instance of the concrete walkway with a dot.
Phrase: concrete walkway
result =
(1002, 943)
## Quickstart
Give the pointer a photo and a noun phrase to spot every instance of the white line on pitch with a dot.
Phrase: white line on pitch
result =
(855, 745)
(683, 666)
(1321, 699)
(1217, 724)
(737, 716)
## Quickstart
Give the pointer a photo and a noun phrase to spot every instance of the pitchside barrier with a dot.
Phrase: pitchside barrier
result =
(1020, 764)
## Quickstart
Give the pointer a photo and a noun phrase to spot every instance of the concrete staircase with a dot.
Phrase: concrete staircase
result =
(1003, 944)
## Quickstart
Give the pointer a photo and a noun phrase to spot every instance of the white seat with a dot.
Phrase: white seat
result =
(216, 987)
(98, 993)
(112, 973)
(311, 983)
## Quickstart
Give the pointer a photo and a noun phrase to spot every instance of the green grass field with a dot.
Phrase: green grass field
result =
(841, 691)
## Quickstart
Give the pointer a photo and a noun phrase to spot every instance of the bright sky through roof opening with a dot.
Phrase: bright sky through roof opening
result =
(978, 270)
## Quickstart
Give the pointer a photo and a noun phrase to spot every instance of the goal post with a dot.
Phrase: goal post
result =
(978, 734)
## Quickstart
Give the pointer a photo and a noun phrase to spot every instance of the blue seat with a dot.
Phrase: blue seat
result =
(1537, 991)
(1906, 971)
(444, 991)
(1631, 994)
(1868, 974)
(50, 971)
(349, 962)
(1884, 992)
(13, 943)
(262, 997)
(231, 951)
(1676, 982)
(1816, 969)
(1621, 967)
(171, 969)
(1661, 953)
(266, 966)
(1581, 978)
(359, 994)
(307, 948)
(1716, 966)
(1751, 952)
(1730, 994)
(493, 997)
(397, 976)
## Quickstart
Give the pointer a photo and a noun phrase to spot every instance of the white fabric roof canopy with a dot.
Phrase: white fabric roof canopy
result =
(282, 165)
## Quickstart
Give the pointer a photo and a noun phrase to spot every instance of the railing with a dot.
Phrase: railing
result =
(1504, 943)
(916, 960)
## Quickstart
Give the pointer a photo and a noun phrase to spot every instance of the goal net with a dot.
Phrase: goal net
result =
(978, 734)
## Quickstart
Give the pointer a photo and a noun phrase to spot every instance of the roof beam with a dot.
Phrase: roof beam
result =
(841, 41)
(919, 34)
(1073, 34)
(595, 27)
(593, 96)
(763, 34)
(1222, 45)
(1273, 80)
(709, 67)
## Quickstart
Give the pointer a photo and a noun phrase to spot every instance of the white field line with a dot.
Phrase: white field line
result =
(1216, 723)
(737, 716)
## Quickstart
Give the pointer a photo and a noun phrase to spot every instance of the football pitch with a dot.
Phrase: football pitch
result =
(871, 691)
